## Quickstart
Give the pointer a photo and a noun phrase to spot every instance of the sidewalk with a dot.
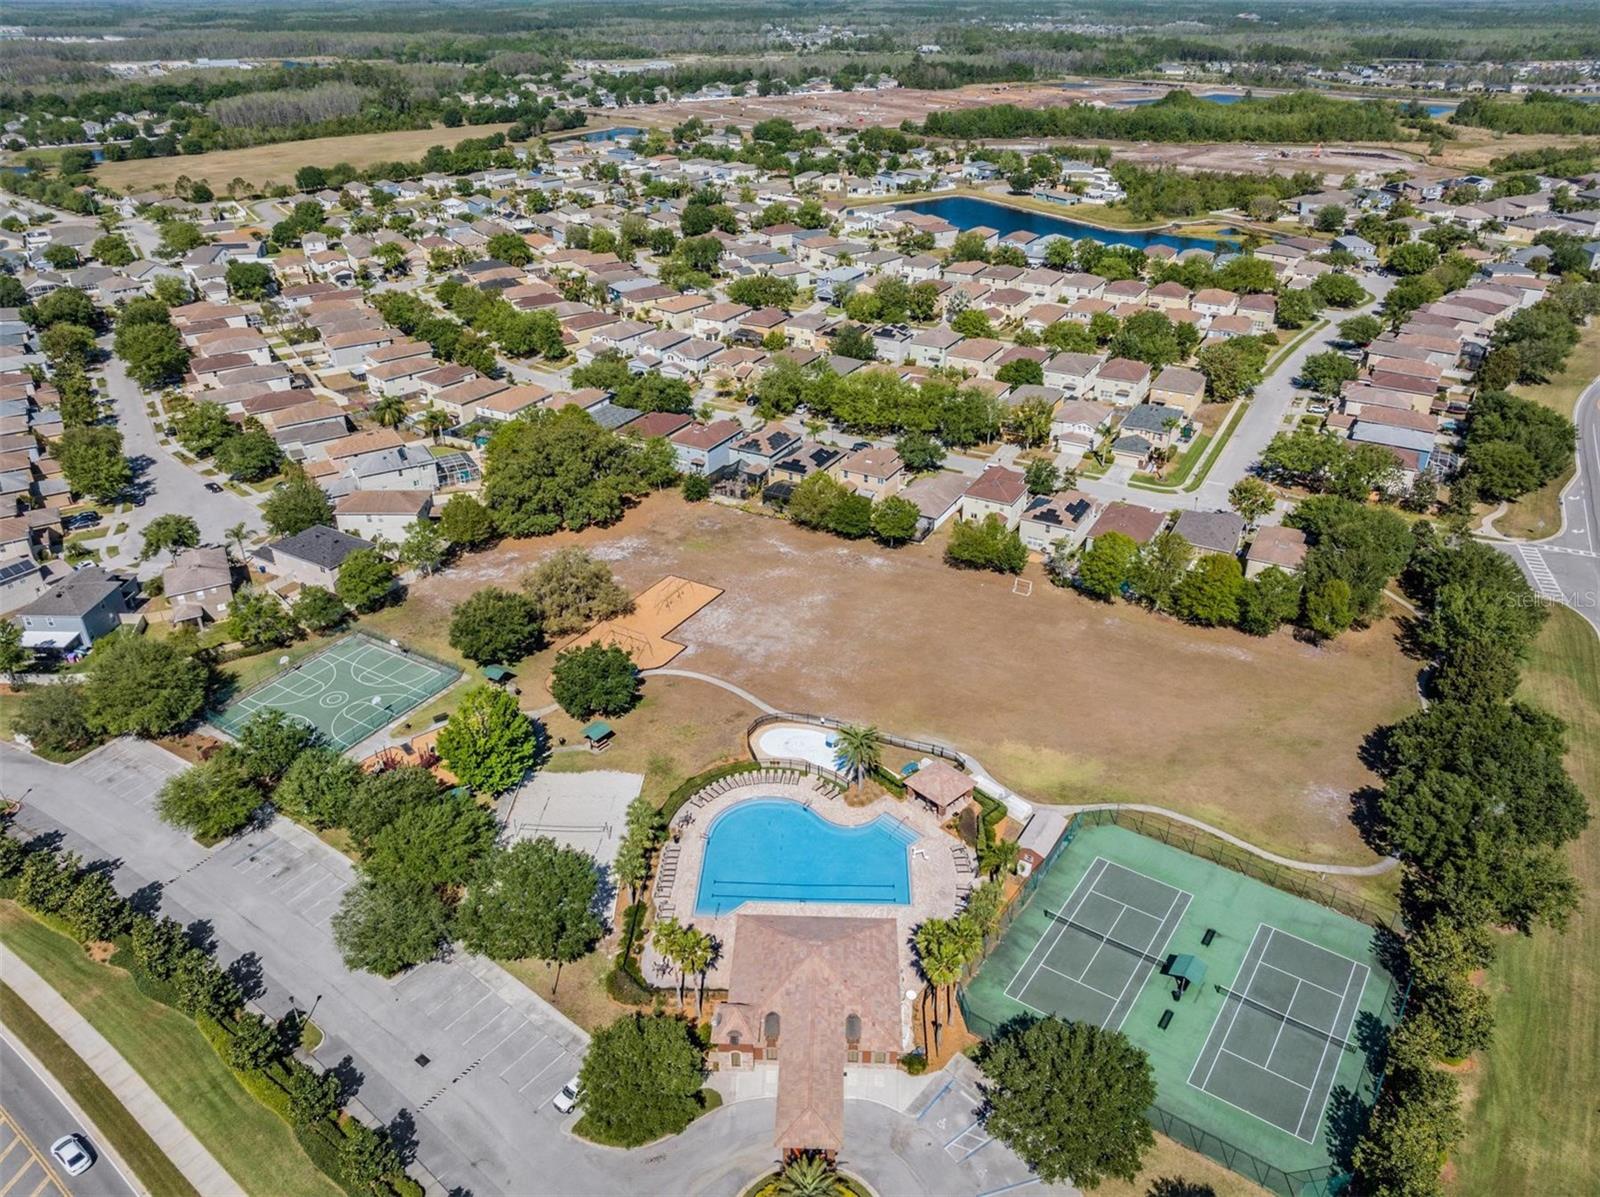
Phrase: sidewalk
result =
(160, 1123)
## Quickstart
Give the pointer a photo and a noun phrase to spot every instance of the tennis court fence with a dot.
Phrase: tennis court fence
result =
(1313, 1182)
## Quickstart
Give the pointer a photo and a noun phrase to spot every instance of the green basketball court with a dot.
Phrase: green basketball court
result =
(348, 691)
(1264, 1063)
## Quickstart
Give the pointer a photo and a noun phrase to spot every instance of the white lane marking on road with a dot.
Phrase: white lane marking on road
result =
(1540, 572)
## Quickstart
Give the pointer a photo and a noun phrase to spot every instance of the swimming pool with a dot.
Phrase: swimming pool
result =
(779, 850)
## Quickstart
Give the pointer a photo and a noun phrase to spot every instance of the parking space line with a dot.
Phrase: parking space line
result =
(465, 1012)
(522, 1057)
(541, 1071)
(452, 991)
(487, 1025)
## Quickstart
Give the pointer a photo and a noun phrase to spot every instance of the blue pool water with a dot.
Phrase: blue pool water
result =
(779, 850)
(965, 212)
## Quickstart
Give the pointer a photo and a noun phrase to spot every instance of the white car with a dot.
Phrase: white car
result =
(567, 1100)
(73, 1153)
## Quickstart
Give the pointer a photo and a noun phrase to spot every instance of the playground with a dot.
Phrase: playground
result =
(1263, 1013)
(348, 691)
(657, 610)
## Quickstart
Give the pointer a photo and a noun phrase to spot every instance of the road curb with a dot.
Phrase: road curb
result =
(102, 1143)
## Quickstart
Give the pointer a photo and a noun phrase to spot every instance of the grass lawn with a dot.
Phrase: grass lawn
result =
(121, 1131)
(264, 164)
(250, 1141)
(1537, 515)
(1534, 1126)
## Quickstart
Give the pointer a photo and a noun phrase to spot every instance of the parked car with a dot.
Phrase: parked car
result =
(73, 1153)
(214, 487)
(566, 1100)
(84, 519)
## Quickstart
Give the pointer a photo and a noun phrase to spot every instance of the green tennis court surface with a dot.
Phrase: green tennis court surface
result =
(1265, 1066)
(1105, 942)
(347, 691)
(1275, 1046)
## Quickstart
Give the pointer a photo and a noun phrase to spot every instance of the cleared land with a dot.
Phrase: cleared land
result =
(110, 1117)
(1535, 1127)
(1066, 699)
(263, 165)
(256, 1147)
(1537, 515)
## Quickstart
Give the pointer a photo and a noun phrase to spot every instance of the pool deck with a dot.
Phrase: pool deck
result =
(938, 885)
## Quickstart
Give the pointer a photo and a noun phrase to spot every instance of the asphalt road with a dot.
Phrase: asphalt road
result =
(169, 486)
(30, 1110)
(459, 1057)
(1565, 568)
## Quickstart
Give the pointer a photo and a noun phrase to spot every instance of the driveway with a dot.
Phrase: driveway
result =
(457, 1054)
(169, 485)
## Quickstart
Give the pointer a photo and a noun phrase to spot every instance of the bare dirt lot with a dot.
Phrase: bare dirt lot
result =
(1063, 698)
(263, 165)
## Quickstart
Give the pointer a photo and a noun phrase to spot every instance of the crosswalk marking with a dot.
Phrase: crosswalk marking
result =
(1539, 571)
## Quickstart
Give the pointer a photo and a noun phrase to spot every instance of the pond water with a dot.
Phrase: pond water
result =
(966, 212)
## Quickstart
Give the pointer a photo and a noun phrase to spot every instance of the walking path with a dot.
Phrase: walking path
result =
(975, 767)
(175, 1140)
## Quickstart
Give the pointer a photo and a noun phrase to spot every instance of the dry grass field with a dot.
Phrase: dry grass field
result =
(1066, 699)
(263, 165)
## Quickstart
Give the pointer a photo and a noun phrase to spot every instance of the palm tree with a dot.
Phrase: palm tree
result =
(939, 955)
(670, 939)
(390, 411)
(999, 857)
(696, 955)
(808, 1175)
(860, 750)
(435, 422)
(236, 537)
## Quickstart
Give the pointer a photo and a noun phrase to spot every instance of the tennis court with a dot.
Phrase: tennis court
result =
(347, 691)
(1263, 1014)
(1278, 1038)
(1105, 942)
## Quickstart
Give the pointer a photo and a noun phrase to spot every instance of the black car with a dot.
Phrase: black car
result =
(84, 519)
(214, 487)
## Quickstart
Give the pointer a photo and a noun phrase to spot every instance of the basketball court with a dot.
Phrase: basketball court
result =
(642, 632)
(1103, 945)
(1278, 1039)
(348, 691)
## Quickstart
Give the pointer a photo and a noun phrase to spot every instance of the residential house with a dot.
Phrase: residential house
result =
(371, 514)
(1177, 386)
(76, 611)
(997, 491)
(310, 558)
(875, 472)
(198, 585)
(1122, 381)
(1137, 523)
(705, 449)
(1211, 531)
(1277, 546)
(1049, 520)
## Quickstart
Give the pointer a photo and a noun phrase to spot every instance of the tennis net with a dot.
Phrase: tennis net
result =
(1057, 917)
(1281, 1016)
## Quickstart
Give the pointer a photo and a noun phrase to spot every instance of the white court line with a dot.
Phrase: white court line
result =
(1087, 887)
(1338, 1023)
(1075, 981)
(1141, 963)
(1303, 981)
(1236, 1001)
(1288, 1080)
(1283, 1022)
